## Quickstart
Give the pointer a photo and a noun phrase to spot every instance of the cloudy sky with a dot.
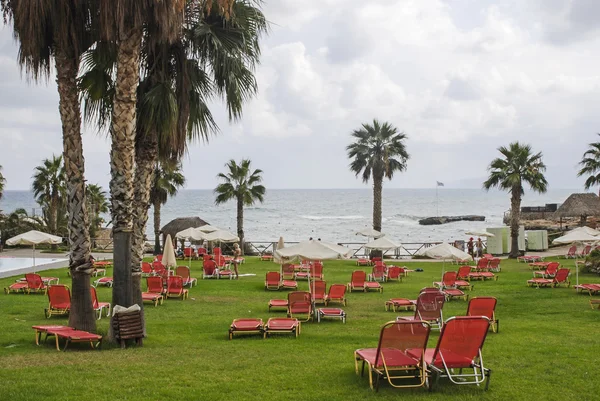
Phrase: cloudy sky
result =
(459, 77)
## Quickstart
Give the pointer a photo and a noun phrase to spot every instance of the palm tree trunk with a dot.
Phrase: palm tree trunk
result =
(157, 248)
(145, 158)
(240, 222)
(122, 158)
(377, 194)
(82, 314)
(515, 217)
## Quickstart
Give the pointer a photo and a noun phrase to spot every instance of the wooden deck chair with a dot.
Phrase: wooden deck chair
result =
(282, 325)
(184, 272)
(429, 308)
(549, 272)
(378, 273)
(209, 270)
(99, 306)
(457, 355)
(318, 289)
(336, 294)
(59, 300)
(155, 290)
(175, 288)
(272, 281)
(561, 277)
(35, 283)
(357, 281)
(246, 326)
(484, 306)
(394, 273)
(299, 304)
(399, 357)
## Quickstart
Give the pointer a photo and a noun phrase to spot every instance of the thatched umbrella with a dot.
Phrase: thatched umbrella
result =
(580, 205)
(180, 224)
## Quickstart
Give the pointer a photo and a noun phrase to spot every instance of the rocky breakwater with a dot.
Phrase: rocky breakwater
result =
(428, 221)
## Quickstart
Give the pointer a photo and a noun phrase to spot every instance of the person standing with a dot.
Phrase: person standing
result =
(470, 247)
(479, 247)
(237, 253)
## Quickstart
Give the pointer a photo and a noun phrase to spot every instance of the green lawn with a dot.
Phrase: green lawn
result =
(547, 347)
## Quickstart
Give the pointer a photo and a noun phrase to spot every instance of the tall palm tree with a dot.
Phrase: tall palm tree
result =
(2, 182)
(241, 184)
(590, 164)
(378, 151)
(97, 204)
(49, 189)
(518, 165)
(59, 31)
(168, 178)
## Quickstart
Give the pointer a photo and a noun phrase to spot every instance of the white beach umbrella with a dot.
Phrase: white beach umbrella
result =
(581, 235)
(280, 243)
(311, 250)
(444, 252)
(383, 244)
(207, 228)
(34, 238)
(168, 259)
(479, 233)
(369, 232)
(191, 234)
(221, 236)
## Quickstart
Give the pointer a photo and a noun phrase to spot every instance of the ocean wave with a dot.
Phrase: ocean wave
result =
(348, 217)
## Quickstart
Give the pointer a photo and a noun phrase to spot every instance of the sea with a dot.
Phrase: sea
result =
(336, 215)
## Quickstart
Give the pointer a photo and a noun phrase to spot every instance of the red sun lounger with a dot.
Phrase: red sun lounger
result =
(357, 281)
(175, 288)
(429, 309)
(484, 306)
(595, 302)
(35, 283)
(184, 272)
(336, 294)
(549, 272)
(335, 313)
(282, 325)
(394, 273)
(317, 289)
(561, 277)
(246, 326)
(278, 303)
(17, 287)
(299, 303)
(209, 269)
(272, 281)
(155, 290)
(99, 306)
(363, 262)
(457, 355)
(59, 298)
(68, 334)
(591, 289)
(397, 303)
(107, 281)
(399, 356)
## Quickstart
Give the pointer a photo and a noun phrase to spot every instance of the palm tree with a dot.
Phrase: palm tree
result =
(49, 189)
(2, 182)
(168, 178)
(242, 185)
(378, 151)
(58, 30)
(590, 164)
(97, 203)
(518, 165)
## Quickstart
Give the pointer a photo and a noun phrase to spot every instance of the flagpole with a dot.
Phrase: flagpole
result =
(437, 201)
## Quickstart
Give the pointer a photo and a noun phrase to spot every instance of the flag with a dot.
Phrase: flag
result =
(440, 184)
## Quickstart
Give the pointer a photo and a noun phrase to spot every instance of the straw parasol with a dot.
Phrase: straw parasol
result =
(169, 259)
(179, 224)
(579, 205)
